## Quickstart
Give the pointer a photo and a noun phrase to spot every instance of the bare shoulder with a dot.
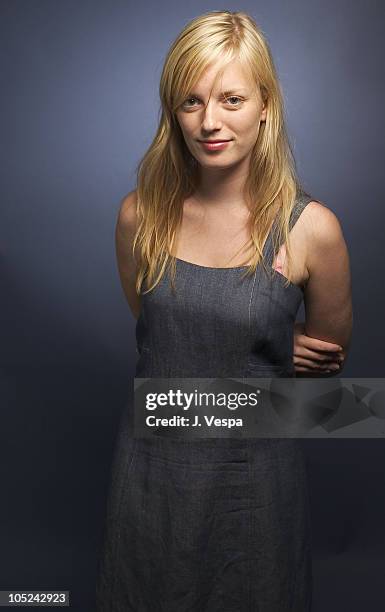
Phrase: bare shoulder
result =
(125, 236)
(126, 226)
(322, 226)
(127, 212)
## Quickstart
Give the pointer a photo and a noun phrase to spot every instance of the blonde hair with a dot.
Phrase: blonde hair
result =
(167, 174)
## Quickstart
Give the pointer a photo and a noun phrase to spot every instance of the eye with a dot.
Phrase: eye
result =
(231, 100)
(188, 100)
(236, 98)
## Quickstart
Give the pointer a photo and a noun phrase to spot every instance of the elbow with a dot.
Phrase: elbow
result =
(343, 355)
(337, 331)
(345, 344)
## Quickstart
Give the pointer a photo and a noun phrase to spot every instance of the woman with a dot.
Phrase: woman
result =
(215, 280)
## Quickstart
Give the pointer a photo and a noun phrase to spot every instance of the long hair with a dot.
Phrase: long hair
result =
(167, 173)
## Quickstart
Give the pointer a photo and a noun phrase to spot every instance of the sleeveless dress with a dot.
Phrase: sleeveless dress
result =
(210, 525)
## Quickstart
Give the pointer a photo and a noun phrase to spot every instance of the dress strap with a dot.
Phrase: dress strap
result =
(300, 204)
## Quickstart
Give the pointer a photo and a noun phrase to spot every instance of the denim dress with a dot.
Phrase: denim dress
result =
(218, 524)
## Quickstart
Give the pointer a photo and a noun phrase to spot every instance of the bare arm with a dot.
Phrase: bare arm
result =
(313, 355)
(327, 297)
(124, 236)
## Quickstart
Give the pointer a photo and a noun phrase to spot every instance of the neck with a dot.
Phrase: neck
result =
(221, 188)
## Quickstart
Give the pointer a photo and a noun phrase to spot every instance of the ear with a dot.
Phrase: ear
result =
(263, 113)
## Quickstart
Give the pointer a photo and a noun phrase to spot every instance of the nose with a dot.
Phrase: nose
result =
(211, 117)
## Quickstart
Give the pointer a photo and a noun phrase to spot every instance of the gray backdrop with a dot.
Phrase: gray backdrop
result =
(79, 107)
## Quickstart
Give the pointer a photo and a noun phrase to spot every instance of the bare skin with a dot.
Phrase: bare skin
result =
(311, 354)
(215, 222)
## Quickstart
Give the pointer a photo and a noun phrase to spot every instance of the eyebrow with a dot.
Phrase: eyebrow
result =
(225, 93)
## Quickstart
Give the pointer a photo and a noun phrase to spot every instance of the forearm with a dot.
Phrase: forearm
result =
(330, 320)
(336, 331)
(316, 357)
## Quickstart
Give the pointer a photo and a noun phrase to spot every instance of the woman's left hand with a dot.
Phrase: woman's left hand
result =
(313, 355)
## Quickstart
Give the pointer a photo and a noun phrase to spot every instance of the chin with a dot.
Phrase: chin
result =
(216, 162)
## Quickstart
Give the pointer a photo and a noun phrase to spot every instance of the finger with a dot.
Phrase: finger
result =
(301, 369)
(315, 365)
(318, 345)
(305, 352)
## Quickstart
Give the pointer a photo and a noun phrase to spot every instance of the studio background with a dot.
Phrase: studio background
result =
(79, 107)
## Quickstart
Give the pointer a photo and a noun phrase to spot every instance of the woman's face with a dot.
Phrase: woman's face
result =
(207, 115)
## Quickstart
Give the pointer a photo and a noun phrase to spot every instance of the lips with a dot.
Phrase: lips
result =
(214, 145)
